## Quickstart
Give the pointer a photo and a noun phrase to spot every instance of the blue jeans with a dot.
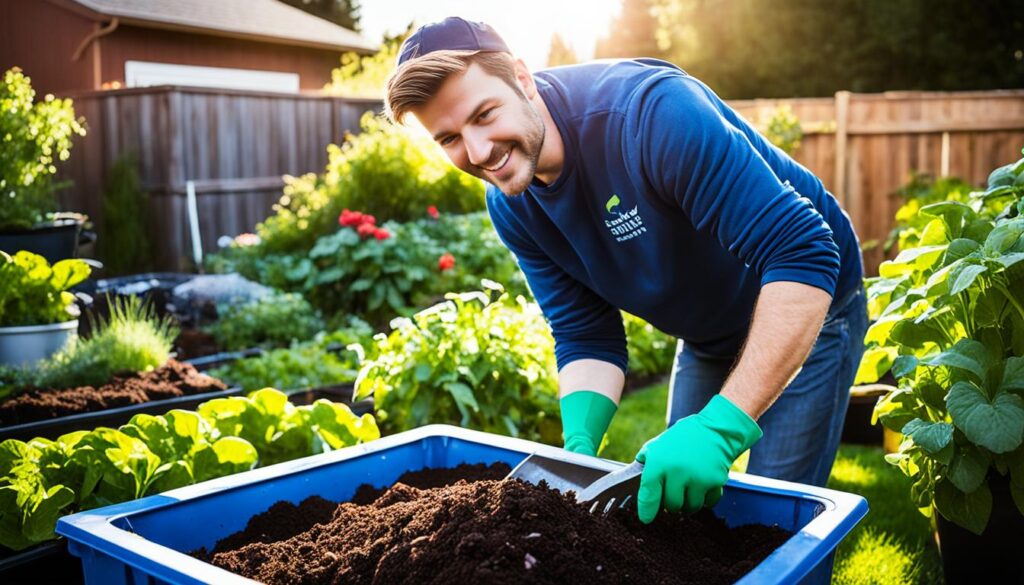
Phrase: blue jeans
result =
(802, 428)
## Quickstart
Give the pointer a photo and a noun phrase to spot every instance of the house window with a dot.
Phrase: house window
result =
(145, 73)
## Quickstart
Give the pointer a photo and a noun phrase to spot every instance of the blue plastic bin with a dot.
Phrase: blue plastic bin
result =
(145, 541)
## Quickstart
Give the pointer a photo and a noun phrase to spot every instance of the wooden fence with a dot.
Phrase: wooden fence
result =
(236, 145)
(881, 139)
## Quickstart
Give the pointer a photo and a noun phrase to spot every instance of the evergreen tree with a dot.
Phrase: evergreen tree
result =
(561, 53)
(632, 34)
(341, 12)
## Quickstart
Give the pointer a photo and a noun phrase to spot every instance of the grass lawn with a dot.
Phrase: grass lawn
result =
(892, 544)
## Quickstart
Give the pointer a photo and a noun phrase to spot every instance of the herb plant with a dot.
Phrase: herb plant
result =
(949, 322)
(272, 321)
(481, 360)
(34, 293)
(328, 359)
(131, 339)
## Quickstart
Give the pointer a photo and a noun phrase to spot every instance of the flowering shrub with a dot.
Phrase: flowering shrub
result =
(388, 170)
(33, 137)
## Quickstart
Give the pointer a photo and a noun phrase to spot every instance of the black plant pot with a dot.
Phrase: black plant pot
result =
(992, 557)
(57, 240)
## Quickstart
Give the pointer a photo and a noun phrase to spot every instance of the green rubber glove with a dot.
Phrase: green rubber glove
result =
(686, 466)
(585, 418)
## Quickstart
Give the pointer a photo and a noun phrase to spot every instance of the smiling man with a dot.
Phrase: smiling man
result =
(630, 185)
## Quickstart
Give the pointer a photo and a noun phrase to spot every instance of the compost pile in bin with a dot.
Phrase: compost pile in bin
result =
(171, 380)
(484, 531)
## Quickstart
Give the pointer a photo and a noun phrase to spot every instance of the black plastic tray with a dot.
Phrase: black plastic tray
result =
(111, 417)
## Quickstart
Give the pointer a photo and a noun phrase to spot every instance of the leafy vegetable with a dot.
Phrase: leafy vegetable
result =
(42, 480)
(328, 359)
(34, 293)
(949, 323)
(272, 321)
(481, 360)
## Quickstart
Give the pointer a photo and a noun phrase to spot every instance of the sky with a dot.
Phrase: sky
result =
(526, 25)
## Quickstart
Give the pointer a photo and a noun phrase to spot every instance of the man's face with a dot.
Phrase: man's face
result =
(486, 128)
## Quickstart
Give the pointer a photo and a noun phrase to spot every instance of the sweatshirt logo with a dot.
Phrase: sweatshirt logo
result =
(627, 224)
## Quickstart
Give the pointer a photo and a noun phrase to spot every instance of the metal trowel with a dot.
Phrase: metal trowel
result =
(603, 491)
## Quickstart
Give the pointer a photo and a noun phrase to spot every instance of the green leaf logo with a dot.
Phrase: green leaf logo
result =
(612, 203)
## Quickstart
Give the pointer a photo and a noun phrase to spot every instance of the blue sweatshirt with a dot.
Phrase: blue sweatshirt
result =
(669, 206)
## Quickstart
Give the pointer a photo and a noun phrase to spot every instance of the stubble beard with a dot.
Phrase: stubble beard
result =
(530, 147)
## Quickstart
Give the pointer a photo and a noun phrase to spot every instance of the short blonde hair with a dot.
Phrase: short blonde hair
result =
(416, 81)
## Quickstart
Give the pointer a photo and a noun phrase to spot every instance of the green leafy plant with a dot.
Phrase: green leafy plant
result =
(34, 293)
(922, 189)
(389, 270)
(365, 76)
(783, 129)
(480, 360)
(131, 339)
(651, 352)
(124, 243)
(329, 358)
(949, 322)
(42, 480)
(33, 138)
(273, 321)
(387, 170)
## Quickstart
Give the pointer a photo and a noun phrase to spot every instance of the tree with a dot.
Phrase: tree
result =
(632, 34)
(341, 12)
(795, 48)
(561, 53)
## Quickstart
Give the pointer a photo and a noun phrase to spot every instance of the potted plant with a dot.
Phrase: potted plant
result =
(33, 138)
(950, 325)
(37, 313)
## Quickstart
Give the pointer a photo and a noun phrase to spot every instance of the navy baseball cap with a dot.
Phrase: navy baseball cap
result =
(451, 34)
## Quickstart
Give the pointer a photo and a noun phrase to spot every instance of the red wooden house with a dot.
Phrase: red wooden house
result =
(74, 45)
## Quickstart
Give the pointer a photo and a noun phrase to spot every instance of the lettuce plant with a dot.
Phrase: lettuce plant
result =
(42, 480)
(949, 323)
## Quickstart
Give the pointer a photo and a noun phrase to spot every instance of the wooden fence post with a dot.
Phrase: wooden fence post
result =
(842, 110)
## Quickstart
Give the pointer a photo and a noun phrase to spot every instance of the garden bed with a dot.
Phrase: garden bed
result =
(52, 412)
(499, 531)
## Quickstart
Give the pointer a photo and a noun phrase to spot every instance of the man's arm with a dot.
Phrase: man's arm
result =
(786, 322)
(595, 375)
(590, 391)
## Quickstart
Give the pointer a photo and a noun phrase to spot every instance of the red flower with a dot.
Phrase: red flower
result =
(350, 218)
(381, 234)
(432, 212)
(368, 219)
(446, 262)
(365, 230)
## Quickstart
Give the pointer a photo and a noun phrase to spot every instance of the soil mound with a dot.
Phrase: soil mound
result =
(171, 380)
(487, 531)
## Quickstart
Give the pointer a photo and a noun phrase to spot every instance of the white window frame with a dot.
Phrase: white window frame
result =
(147, 73)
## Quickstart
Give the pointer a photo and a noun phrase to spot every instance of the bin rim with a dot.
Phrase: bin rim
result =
(95, 529)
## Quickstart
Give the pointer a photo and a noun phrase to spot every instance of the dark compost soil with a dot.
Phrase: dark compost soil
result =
(171, 380)
(484, 531)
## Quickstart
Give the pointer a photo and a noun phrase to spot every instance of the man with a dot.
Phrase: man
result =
(630, 185)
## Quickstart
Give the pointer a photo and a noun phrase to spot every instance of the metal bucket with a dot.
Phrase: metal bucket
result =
(24, 346)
